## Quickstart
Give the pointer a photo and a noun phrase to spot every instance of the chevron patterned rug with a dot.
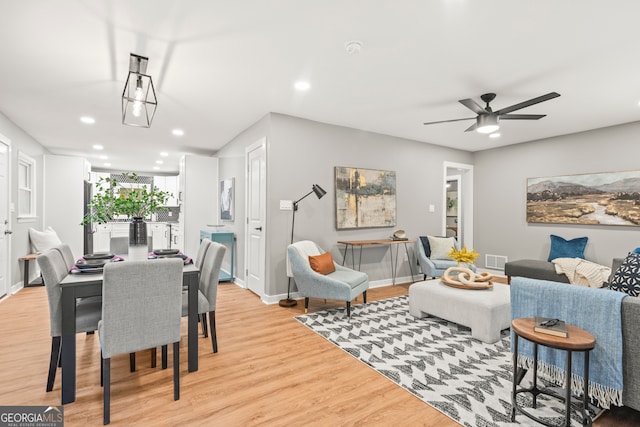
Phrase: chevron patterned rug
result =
(437, 361)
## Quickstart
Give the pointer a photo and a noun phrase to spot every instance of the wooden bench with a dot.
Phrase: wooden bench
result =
(27, 259)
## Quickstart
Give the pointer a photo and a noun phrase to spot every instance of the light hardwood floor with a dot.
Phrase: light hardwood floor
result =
(270, 370)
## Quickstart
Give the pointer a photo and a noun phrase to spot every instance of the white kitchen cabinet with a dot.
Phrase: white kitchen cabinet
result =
(158, 231)
(170, 185)
(101, 238)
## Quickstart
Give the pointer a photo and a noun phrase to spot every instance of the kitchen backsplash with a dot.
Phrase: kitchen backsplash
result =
(170, 214)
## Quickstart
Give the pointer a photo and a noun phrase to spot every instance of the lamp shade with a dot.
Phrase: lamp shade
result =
(139, 96)
(319, 191)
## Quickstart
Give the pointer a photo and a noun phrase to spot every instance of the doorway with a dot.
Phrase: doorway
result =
(458, 202)
(255, 207)
(5, 226)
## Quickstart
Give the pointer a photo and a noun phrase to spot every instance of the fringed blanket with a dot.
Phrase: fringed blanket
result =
(582, 272)
(594, 310)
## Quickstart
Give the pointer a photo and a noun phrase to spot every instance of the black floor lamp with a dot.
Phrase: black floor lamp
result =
(288, 302)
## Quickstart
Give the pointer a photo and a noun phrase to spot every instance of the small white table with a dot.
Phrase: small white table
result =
(485, 311)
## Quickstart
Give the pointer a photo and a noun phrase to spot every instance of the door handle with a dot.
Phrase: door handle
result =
(8, 232)
(258, 228)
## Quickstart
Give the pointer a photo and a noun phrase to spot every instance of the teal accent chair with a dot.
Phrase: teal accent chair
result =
(344, 284)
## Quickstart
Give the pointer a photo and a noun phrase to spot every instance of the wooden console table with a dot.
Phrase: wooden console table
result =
(389, 242)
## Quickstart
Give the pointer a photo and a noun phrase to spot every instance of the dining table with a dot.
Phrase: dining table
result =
(88, 284)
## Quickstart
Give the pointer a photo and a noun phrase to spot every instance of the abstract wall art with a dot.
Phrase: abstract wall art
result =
(365, 198)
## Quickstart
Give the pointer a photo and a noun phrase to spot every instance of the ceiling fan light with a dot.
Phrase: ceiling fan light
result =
(487, 123)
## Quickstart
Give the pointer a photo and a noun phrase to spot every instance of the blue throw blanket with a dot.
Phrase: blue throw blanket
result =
(597, 311)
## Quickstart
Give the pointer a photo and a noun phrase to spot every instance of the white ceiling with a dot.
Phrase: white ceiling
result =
(219, 66)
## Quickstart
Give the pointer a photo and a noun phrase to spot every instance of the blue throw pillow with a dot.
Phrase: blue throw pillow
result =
(627, 277)
(636, 250)
(561, 248)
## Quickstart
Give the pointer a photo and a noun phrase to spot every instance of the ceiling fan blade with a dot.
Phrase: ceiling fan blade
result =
(472, 105)
(524, 104)
(472, 127)
(447, 121)
(521, 116)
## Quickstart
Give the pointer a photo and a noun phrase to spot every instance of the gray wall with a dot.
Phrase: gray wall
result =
(21, 141)
(500, 193)
(301, 153)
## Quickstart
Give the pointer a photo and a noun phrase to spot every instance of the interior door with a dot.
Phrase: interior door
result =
(256, 211)
(5, 231)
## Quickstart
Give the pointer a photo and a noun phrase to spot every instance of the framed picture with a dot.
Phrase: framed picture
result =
(365, 198)
(609, 198)
(227, 199)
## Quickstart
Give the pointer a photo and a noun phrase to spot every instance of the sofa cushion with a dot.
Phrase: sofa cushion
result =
(534, 269)
(627, 278)
(322, 263)
(562, 248)
(441, 246)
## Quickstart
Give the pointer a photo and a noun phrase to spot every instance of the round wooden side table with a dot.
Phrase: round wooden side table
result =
(577, 340)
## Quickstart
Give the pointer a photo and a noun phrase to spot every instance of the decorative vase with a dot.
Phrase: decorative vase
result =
(137, 238)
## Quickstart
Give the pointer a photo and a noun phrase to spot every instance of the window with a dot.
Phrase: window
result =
(26, 187)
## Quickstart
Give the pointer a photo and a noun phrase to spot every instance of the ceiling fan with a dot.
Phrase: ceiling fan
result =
(487, 120)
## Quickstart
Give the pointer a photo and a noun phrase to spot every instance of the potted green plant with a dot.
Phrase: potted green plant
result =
(114, 198)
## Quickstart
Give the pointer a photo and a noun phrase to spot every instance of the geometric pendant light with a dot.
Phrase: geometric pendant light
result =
(139, 96)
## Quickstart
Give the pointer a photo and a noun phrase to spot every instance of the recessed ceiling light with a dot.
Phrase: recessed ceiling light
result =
(164, 153)
(98, 147)
(159, 162)
(103, 157)
(495, 135)
(302, 85)
(156, 168)
(177, 132)
(88, 120)
(107, 164)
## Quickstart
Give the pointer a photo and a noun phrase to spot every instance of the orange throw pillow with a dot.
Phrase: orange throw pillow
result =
(322, 264)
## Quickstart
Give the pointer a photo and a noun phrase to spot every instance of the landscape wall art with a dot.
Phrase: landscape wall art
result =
(611, 198)
(365, 198)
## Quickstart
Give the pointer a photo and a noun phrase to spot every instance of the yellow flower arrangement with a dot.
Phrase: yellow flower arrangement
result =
(463, 255)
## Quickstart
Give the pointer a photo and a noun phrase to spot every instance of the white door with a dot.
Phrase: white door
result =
(5, 232)
(256, 160)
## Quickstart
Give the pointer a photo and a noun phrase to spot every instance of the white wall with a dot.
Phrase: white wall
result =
(301, 153)
(20, 245)
(64, 199)
(500, 193)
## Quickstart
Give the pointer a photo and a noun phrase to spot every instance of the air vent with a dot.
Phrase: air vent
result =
(495, 261)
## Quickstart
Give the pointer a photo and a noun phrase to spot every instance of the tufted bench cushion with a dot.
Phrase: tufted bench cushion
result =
(486, 312)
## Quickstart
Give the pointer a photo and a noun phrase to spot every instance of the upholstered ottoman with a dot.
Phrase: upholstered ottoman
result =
(486, 311)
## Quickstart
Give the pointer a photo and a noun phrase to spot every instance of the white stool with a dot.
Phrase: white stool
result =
(486, 311)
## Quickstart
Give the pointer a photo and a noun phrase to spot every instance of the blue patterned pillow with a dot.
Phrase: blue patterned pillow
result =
(561, 248)
(627, 277)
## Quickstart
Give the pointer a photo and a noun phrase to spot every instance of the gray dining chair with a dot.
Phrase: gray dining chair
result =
(120, 245)
(141, 309)
(208, 290)
(88, 310)
(202, 251)
(67, 255)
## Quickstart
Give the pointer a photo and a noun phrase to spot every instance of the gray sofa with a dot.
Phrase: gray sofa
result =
(630, 345)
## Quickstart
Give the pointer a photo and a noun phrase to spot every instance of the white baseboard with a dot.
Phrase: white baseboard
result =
(274, 299)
